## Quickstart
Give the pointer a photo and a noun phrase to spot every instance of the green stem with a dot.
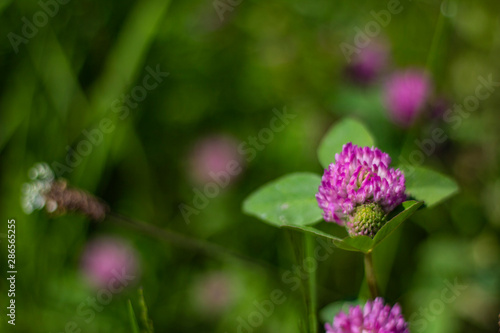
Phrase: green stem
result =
(183, 241)
(311, 290)
(370, 275)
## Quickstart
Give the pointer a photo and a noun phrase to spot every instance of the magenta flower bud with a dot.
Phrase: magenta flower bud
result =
(215, 158)
(374, 317)
(108, 260)
(359, 189)
(369, 63)
(406, 93)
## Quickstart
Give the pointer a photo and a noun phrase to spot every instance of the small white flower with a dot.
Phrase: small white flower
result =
(33, 193)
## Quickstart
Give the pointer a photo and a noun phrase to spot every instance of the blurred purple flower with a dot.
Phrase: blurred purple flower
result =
(359, 189)
(406, 93)
(106, 258)
(213, 156)
(369, 63)
(213, 293)
(375, 317)
(438, 107)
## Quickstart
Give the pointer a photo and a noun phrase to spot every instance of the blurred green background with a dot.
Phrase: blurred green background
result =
(225, 78)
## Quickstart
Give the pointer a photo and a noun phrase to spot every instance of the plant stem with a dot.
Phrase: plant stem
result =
(311, 291)
(370, 275)
(180, 240)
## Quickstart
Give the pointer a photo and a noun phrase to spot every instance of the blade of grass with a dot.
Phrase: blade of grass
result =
(126, 57)
(147, 323)
(302, 248)
(122, 66)
(431, 58)
(133, 320)
(56, 75)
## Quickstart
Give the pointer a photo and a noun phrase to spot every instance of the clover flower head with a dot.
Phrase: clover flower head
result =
(406, 92)
(374, 317)
(359, 189)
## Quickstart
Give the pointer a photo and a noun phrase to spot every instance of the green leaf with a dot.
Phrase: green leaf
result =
(314, 231)
(428, 185)
(331, 310)
(407, 209)
(359, 243)
(289, 200)
(347, 130)
(133, 320)
(366, 244)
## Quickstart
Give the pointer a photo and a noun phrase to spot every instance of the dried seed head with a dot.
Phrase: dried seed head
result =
(57, 197)
(62, 199)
